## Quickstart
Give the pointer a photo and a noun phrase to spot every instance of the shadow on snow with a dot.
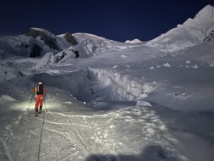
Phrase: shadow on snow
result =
(150, 153)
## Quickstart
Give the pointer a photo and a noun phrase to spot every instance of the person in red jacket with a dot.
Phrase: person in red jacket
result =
(39, 91)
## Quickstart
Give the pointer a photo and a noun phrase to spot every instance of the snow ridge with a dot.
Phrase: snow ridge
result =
(191, 33)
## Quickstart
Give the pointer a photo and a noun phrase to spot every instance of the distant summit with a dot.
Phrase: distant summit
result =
(48, 38)
(135, 41)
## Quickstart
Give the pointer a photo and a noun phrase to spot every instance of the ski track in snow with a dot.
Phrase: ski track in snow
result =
(76, 136)
(5, 155)
(85, 137)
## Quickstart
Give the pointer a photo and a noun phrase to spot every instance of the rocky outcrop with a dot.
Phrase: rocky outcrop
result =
(35, 51)
(69, 38)
(209, 36)
(45, 36)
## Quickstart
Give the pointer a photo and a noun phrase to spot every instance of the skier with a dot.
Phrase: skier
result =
(39, 91)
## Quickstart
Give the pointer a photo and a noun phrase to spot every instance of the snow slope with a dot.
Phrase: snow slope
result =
(117, 101)
(190, 33)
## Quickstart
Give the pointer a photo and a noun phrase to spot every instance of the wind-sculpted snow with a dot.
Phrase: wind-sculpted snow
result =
(123, 87)
(94, 45)
(142, 73)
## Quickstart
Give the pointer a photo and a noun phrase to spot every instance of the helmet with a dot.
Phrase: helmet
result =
(39, 82)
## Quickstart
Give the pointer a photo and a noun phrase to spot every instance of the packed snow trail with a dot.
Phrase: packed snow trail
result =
(70, 130)
(22, 137)
(81, 134)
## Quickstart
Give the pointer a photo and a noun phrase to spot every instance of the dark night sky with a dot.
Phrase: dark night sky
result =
(113, 19)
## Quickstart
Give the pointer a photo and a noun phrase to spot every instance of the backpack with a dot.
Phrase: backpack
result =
(39, 89)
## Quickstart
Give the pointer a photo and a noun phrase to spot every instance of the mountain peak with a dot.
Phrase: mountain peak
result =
(48, 38)
(40, 30)
(202, 16)
(208, 10)
(192, 32)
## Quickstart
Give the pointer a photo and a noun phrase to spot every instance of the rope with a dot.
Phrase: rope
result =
(37, 149)
(40, 137)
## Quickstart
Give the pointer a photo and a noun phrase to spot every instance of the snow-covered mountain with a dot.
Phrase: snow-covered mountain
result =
(109, 100)
(35, 42)
(191, 33)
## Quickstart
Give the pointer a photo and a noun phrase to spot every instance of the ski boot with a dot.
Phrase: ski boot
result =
(36, 112)
(40, 109)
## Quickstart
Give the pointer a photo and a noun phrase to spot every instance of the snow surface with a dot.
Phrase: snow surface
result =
(117, 101)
